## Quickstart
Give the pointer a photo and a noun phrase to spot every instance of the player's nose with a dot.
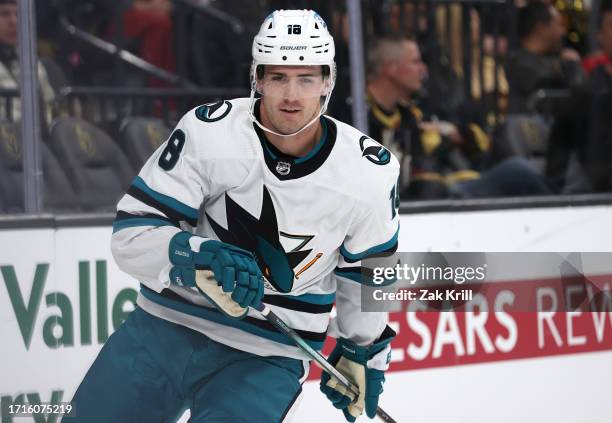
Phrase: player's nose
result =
(291, 90)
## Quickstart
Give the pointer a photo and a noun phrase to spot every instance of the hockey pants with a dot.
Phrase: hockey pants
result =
(150, 370)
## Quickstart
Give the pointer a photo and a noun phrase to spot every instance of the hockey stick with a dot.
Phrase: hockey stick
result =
(325, 365)
(208, 285)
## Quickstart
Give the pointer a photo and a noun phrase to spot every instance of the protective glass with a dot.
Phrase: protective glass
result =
(279, 85)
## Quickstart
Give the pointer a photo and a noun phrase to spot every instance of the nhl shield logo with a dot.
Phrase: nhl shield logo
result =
(283, 168)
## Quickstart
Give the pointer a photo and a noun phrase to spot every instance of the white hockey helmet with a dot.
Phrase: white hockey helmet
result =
(293, 38)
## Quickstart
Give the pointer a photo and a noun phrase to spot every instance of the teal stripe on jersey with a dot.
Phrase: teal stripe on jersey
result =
(270, 151)
(166, 200)
(322, 299)
(354, 276)
(218, 317)
(139, 221)
(370, 251)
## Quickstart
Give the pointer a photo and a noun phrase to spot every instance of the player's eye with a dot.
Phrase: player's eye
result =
(278, 78)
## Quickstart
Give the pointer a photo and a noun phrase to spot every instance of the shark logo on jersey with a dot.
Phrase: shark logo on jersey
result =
(373, 151)
(213, 112)
(261, 236)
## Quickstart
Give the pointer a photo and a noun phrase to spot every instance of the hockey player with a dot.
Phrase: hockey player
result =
(281, 203)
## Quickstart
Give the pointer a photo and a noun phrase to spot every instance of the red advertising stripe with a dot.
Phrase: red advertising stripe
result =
(429, 339)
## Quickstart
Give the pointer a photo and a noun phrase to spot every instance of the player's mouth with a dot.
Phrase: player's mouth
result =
(290, 110)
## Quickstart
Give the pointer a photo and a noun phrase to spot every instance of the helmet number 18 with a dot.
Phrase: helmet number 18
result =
(294, 29)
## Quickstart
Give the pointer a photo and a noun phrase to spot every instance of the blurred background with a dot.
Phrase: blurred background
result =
(487, 99)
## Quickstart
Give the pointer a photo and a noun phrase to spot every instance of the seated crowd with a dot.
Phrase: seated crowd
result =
(551, 133)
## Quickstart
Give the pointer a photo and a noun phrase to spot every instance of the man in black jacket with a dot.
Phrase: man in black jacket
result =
(599, 147)
(439, 158)
(541, 62)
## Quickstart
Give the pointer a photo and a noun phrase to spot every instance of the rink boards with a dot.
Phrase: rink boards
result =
(62, 295)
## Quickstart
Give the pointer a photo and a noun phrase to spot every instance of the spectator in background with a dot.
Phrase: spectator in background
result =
(599, 148)
(394, 72)
(437, 157)
(541, 62)
(9, 66)
(149, 23)
(603, 57)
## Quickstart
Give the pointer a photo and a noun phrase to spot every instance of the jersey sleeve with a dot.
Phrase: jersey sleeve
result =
(375, 230)
(375, 226)
(163, 200)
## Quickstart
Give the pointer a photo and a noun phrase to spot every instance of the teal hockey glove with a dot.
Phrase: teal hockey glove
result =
(365, 367)
(227, 275)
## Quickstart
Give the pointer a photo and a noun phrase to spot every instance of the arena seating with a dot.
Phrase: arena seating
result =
(140, 137)
(97, 169)
(58, 195)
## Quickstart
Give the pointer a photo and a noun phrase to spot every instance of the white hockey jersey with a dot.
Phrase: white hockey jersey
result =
(308, 220)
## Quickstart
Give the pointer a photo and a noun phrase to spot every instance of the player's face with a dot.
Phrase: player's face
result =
(408, 71)
(291, 95)
(8, 24)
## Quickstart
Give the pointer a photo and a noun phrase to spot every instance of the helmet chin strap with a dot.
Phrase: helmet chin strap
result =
(260, 125)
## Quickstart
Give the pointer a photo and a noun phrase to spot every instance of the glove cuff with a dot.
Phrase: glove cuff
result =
(185, 260)
(179, 250)
(362, 355)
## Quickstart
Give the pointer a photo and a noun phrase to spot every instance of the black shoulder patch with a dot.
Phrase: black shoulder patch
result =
(374, 151)
(213, 112)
